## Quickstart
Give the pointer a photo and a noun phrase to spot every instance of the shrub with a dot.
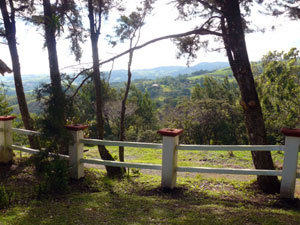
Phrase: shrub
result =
(54, 174)
(4, 198)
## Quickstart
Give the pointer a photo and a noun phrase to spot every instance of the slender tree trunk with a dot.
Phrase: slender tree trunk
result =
(56, 108)
(50, 30)
(104, 153)
(234, 40)
(123, 109)
(10, 32)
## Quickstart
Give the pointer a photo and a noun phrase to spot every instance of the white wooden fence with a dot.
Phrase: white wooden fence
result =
(170, 148)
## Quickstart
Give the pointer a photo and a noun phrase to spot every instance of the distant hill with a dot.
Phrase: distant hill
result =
(154, 73)
(32, 81)
(162, 83)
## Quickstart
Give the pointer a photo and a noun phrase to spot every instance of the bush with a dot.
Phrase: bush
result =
(4, 198)
(148, 136)
(54, 173)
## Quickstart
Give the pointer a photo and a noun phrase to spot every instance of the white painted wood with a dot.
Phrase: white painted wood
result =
(121, 164)
(230, 147)
(26, 132)
(121, 143)
(6, 153)
(288, 182)
(24, 149)
(169, 162)
(229, 171)
(35, 151)
(75, 154)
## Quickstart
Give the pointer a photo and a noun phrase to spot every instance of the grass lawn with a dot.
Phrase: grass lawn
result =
(138, 198)
(240, 159)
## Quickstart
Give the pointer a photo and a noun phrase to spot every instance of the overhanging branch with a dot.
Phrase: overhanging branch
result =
(199, 31)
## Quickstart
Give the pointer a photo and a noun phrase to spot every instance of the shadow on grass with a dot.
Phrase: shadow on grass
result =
(100, 200)
(111, 208)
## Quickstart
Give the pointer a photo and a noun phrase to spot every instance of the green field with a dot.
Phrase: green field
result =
(221, 73)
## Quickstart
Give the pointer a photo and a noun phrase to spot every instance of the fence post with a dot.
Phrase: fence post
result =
(6, 140)
(76, 151)
(169, 156)
(289, 173)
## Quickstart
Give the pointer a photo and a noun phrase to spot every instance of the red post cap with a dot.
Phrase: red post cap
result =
(291, 132)
(170, 132)
(76, 127)
(5, 118)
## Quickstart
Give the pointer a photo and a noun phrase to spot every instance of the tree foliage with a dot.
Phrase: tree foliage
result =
(280, 91)
(4, 108)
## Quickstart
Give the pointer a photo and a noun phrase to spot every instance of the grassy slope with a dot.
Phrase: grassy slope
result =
(139, 200)
(221, 73)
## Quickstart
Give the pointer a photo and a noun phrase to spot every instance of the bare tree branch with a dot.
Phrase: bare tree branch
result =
(72, 81)
(112, 67)
(78, 88)
(209, 20)
(200, 31)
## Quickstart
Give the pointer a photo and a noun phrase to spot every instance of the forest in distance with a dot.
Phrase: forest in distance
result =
(242, 103)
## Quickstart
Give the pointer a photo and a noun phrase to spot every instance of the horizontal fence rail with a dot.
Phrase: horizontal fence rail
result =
(35, 151)
(233, 171)
(230, 147)
(121, 164)
(24, 149)
(230, 171)
(26, 132)
(121, 143)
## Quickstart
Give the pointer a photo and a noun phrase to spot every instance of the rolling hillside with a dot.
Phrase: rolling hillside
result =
(161, 83)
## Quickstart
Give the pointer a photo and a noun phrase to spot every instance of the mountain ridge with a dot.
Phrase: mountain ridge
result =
(157, 72)
(32, 81)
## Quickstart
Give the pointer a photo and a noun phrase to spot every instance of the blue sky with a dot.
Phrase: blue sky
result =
(34, 59)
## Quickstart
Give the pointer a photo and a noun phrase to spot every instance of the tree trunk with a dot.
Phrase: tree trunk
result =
(50, 30)
(123, 109)
(234, 40)
(104, 153)
(56, 109)
(10, 33)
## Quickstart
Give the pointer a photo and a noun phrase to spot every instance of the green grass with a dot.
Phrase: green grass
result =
(221, 73)
(140, 200)
(166, 88)
(217, 159)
